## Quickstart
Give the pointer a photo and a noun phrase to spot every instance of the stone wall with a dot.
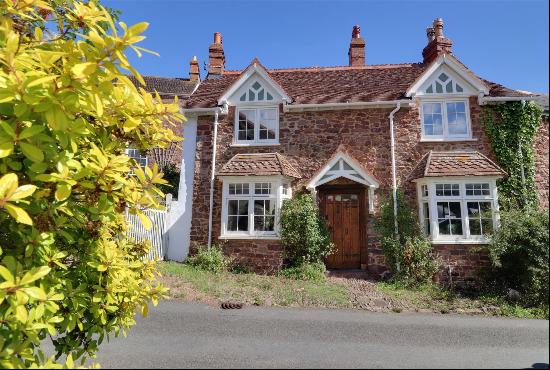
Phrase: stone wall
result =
(541, 163)
(310, 139)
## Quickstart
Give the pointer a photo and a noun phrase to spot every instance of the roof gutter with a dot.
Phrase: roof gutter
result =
(345, 106)
(206, 111)
(483, 100)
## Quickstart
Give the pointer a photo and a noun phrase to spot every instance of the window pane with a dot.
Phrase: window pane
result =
(264, 215)
(443, 77)
(454, 210)
(433, 119)
(268, 124)
(243, 207)
(247, 120)
(426, 217)
(233, 206)
(449, 87)
(243, 223)
(444, 227)
(447, 190)
(263, 188)
(261, 94)
(456, 227)
(232, 223)
(256, 85)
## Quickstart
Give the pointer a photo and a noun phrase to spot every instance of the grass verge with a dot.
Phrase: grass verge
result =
(257, 289)
(433, 298)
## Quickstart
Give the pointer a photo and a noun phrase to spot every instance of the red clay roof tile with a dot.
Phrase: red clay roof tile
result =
(259, 164)
(441, 164)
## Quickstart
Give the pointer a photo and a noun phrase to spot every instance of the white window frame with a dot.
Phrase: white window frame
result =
(432, 200)
(276, 196)
(257, 141)
(445, 121)
(146, 157)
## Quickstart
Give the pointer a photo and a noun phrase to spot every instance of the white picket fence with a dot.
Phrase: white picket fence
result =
(157, 234)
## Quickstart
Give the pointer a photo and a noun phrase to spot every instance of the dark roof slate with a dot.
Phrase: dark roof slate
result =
(167, 87)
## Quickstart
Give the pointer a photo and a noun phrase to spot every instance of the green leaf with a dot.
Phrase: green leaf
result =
(31, 131)
(35, 274)
(63, 192)
(138, 28)
(19, 214)
(41, 80)
(6, 274)
(84, 69)
(146, 222)
(36, 293)
(6, 149)
(32, 152)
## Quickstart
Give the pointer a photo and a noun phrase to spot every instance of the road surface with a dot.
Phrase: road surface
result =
(186, 335)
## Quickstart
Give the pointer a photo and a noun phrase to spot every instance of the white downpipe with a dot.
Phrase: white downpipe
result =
(212, 177)
(393, 169)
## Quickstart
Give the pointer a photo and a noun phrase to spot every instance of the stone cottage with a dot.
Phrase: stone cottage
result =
(348, 134)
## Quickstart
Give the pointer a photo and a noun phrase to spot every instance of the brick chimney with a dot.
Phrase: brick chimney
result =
(216, 56)
(437, 42)
(356, 51)
(194, 70)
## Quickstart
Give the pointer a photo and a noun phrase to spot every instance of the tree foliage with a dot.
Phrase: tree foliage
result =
(304, 232)
(519, 252)
(68, 272)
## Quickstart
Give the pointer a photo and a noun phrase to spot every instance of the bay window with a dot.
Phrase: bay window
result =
(458, 210)
(251, 206)
(445, 119)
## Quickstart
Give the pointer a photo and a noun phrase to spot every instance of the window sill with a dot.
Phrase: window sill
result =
(428, 140)
(249, 237)
(254, 144)
(460, 241)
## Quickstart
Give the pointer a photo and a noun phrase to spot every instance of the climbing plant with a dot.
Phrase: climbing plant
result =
(512, 127)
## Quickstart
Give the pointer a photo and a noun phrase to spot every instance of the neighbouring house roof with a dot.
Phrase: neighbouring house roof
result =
(444, 164)
(259, 164)
(167, 87)
(343, 84)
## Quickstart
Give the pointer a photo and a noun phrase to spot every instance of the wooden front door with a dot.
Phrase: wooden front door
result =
(342, 210)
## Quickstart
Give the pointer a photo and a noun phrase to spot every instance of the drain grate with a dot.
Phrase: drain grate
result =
(231, 306)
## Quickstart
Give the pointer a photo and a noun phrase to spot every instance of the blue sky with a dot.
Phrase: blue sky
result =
(502, 41)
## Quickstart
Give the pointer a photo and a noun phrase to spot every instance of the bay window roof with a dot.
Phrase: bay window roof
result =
(444, 164)
(259, 164)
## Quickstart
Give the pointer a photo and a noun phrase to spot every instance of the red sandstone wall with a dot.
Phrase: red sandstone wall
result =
(541, 163)
(309, 139)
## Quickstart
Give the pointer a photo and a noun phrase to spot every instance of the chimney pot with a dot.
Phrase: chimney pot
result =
(437, 43)
(216, 56)
(194, 70)
(356, 33)
(356, 52)
(438, 27)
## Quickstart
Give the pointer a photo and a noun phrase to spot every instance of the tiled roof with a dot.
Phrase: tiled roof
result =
(323, 85)
(259, 164)
(334, 84)
(167, 87)
(439, 164)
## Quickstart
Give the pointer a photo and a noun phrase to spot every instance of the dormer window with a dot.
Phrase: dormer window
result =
(445, 119)
(256, 93)
(257, 126)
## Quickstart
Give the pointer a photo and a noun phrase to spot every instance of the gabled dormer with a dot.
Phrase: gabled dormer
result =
(256, 98)
(443, 93)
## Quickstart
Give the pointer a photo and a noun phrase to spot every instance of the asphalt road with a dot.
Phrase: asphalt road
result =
(184, 335)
